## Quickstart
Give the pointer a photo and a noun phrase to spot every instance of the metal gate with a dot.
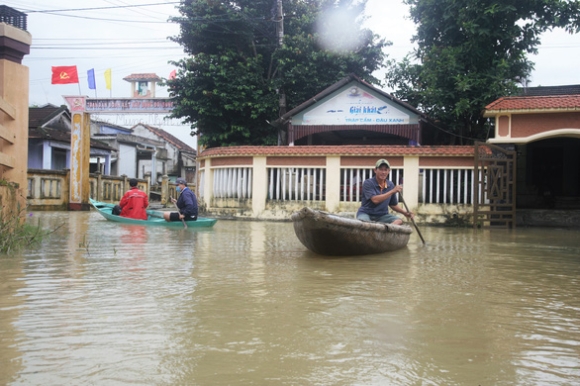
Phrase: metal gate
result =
(494, 204)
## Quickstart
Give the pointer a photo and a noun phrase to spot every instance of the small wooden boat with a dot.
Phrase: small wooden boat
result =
(329, 234)
(154, 217)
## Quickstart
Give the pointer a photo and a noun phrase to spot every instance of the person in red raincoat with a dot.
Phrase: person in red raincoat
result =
(134, 203)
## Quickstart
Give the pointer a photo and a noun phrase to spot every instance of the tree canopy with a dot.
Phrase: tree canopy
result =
(230, 87)
(471, 52)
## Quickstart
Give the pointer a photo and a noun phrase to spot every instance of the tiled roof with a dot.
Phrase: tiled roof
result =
(101, 124)
(141, 77)
(553, 102)
(62, 136)
(179, 144)
(38, 116)
(572, 89)
(350, 150)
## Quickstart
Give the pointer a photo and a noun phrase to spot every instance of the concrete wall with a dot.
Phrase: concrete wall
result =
(127, 161)
(260, 206)
(49, 189)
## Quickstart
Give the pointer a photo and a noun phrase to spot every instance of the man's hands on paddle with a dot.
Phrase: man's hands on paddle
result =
(181, 216)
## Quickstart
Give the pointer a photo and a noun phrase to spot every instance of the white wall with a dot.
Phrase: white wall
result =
(127, 163)
(171, 150)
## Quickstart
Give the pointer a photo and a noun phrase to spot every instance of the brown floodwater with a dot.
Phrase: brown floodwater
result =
(244, 303)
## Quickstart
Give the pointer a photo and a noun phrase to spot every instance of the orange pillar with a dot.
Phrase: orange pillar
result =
(14, 79)
(80, 148)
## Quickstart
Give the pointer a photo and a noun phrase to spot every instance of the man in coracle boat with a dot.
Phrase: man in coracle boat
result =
(378, 195)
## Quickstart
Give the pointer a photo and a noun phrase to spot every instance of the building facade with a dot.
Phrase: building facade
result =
(542, 126)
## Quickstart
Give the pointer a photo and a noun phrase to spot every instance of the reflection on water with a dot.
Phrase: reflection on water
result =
(246, 303)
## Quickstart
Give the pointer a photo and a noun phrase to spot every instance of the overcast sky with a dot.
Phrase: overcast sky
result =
(132, 37)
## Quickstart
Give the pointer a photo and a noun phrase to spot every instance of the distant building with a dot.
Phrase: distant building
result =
(354, 112)
(49, 139)
(142, 151)
(115, 150)
(135, 154)
(143, 85)
(177, 158)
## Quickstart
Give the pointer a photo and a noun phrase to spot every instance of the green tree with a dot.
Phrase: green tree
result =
(471, 52)
(230, 86)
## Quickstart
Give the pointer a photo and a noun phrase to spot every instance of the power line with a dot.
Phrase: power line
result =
(106, 19)
(82, 45)
(102, 40)
(76, 48)
(130, 7)
(144, 12)
(97, 8)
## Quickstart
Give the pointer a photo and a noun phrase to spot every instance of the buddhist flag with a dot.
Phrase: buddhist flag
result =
(64, 75)
(108, 78)
(91, 79)
(172, 74)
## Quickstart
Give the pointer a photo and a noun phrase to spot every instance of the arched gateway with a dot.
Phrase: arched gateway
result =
(81, 107)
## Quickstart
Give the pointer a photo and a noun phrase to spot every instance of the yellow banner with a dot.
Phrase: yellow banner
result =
(108, 78)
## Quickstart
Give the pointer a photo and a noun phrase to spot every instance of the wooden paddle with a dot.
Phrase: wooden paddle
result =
(182, 220)
(412, 220)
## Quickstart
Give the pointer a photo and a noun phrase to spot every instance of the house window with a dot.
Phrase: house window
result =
(58, 161)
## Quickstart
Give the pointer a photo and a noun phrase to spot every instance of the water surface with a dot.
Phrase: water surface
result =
(245, 303)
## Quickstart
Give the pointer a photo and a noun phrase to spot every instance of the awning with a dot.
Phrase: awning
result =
(411, 132)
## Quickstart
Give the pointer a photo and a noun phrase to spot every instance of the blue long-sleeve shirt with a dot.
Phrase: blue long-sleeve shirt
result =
(187, 203)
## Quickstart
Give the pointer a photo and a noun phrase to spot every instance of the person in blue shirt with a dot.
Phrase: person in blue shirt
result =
(186, 203)
(378, 195)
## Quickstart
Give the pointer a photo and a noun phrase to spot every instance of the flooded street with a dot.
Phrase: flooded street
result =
(244, 303)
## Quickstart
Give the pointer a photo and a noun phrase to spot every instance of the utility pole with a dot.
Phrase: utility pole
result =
(280, 25)
(280, 34)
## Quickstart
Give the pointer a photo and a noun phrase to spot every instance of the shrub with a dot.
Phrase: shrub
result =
(14, 231)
